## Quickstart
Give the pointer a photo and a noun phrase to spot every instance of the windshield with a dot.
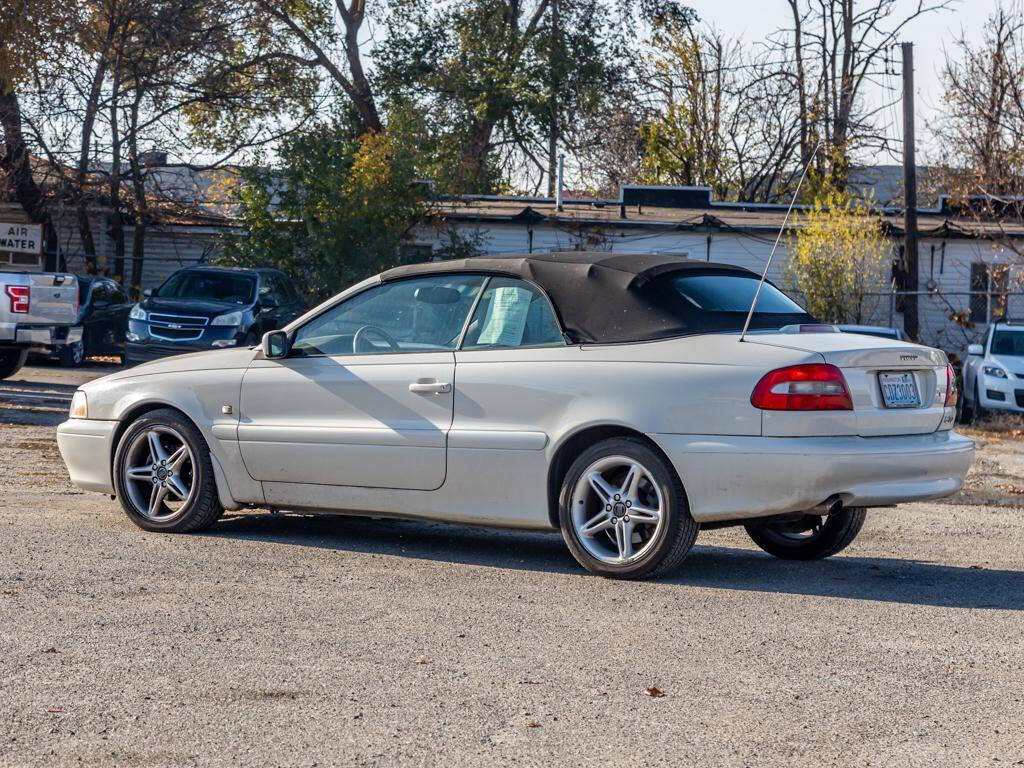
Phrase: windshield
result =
(209, 286)
(711, 301)
(1008, 343)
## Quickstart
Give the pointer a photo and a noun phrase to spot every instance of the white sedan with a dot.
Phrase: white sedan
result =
(608, 396)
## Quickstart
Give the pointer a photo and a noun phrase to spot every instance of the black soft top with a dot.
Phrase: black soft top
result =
(600, 297)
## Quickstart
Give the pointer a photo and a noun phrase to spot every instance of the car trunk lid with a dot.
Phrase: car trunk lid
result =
(874, 368)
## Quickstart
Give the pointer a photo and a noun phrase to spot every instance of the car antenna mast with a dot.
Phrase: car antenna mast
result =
(767, 266)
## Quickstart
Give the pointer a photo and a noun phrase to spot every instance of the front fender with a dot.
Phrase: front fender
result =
(208, 398)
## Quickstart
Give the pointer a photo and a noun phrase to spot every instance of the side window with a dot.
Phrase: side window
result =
(424, 314)
(269, 289)
(512, 313)
(289, 293)
(101, 294)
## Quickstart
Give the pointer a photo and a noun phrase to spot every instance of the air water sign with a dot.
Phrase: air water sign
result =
(21, 238)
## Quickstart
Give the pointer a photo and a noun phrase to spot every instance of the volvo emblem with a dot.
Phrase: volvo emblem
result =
(908, 357)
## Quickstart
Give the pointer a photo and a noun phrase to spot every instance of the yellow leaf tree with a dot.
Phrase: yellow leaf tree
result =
(840, 260)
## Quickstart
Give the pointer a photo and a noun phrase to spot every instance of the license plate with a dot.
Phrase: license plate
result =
(899, 390)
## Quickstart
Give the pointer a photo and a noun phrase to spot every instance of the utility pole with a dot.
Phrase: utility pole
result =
(553, 63)
(909, 267)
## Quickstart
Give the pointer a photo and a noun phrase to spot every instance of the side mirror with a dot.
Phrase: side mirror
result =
(975, 349)
(276, 344)
(147, 293)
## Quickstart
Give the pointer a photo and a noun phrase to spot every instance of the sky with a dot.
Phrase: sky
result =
(932, 33)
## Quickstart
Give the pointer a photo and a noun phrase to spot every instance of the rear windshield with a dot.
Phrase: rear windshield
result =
(209, 286)
(1008, 343)
(704, 302)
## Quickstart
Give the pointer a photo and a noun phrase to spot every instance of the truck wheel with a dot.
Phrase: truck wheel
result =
(812, 537)
(11, 361)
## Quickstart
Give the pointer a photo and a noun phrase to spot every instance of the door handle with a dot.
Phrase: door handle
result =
(430, 387)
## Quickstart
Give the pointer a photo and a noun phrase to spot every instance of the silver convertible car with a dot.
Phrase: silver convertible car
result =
(607, 396)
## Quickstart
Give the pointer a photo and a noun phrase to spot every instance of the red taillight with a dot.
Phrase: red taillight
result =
(19, 295)
(811, 387)
(951, 391)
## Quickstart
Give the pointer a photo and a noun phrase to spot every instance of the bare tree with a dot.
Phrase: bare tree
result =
(982, 125)
(832, 49)
(723, 117)
(309, 28)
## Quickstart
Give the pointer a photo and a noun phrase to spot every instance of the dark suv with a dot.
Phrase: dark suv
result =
(210, 308)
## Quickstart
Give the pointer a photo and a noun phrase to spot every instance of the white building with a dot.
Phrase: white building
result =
(958, 256)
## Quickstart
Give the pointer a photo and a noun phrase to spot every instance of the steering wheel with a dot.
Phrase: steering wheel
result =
(367, 330)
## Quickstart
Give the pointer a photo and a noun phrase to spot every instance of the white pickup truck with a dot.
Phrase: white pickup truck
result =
(36, 309)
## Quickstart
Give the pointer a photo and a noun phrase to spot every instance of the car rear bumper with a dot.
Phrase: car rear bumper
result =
(732, 478)
(86, 445)
(40, 335)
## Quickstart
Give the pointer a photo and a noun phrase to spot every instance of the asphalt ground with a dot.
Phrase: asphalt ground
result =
(299, 641)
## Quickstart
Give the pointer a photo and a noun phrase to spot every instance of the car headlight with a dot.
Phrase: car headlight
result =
(79, 406)
(991, 370)
(231, 318)
(137, 313)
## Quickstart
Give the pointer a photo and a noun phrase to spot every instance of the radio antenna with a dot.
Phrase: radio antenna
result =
(764, 275)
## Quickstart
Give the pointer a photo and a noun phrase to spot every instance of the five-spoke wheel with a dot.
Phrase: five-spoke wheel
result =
(617, 509)
(163, 474)
(159, 473)
(623, 512)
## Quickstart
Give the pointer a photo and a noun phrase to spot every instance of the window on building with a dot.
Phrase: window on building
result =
(989, 292)
(979, 293)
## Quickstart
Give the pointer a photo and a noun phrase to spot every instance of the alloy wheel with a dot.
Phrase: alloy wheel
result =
(618, 511)
(159, 473)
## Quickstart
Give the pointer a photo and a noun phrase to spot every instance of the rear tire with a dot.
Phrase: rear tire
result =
(163, 474)
(72, 355)
(623, 512)
(11, 361)
(812, 538)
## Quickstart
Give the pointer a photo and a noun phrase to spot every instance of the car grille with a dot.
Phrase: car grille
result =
(176, 327)
(1020, 397)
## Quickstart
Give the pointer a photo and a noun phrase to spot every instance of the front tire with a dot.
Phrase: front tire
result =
(11, 361)
(163, 475)
(623, 512)
(977, 412)
(812, 537)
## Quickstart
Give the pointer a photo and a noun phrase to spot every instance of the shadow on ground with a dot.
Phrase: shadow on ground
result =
(892, 580)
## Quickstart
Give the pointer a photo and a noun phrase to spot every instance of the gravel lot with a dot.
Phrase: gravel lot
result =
(288, 640)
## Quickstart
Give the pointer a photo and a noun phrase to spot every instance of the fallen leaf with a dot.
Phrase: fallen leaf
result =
(653, 692)
(533, 724)
(55, 709)
(51, 649)
(421, 660)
